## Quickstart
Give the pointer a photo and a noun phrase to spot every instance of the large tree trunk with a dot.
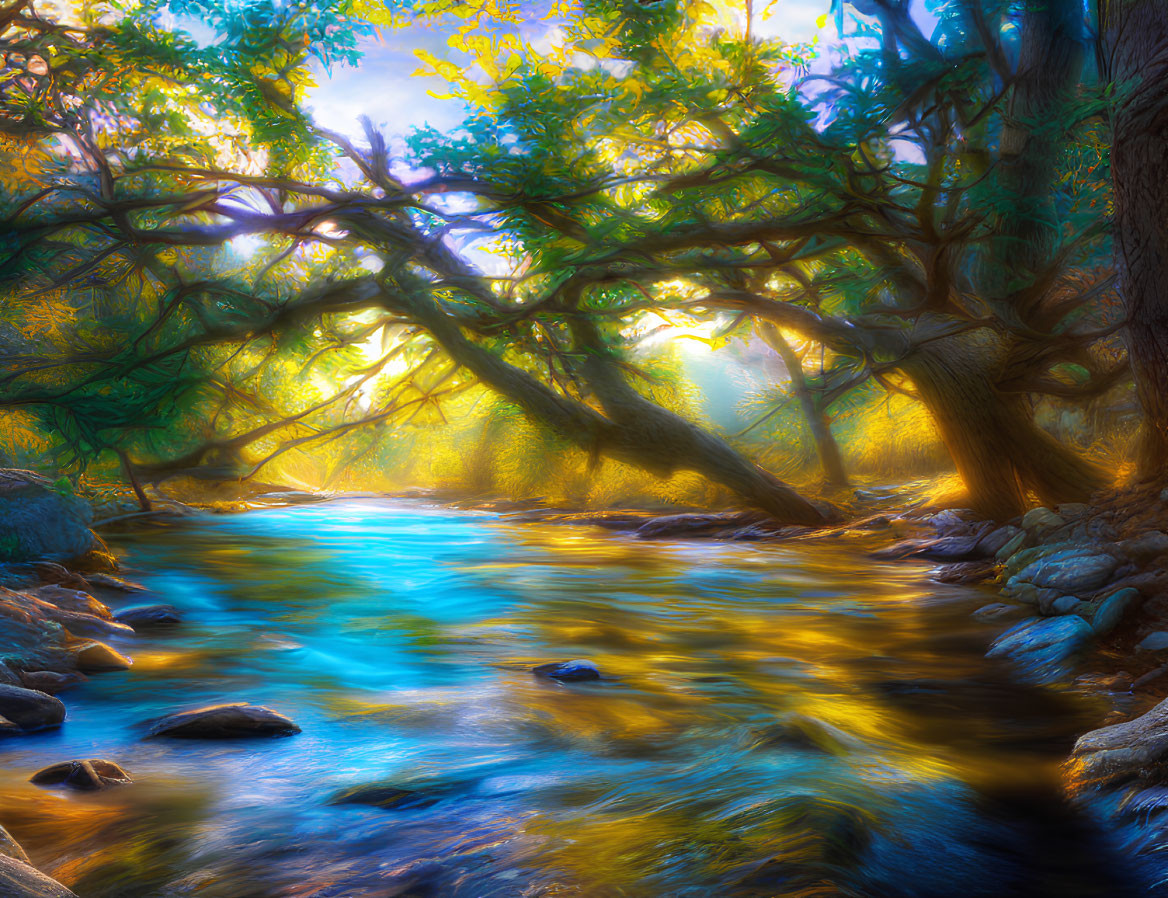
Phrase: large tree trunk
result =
(1003, 456)
(632, 428)
(830, 460)
(1134, 56)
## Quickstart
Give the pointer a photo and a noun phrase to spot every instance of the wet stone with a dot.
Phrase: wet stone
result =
(1154, 642)
(1112, 610)
(51, 681)
(85, 776)
(145, 617)
(1043, 648)
(231, 721)
(568, 670)
(9, 847)
(29, 709)
(20, 880)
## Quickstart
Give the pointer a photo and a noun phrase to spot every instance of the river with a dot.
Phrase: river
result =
(774, 719)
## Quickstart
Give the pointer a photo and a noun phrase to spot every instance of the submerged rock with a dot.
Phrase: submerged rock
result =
(85, 776)
(1112, 610)
(385, 795)
(145, 617)
(579, 669)
(1042, 648)
(9, 847)
(999, 611)
(29, 709)
(232, 721)
(39, 523)
(1136, 749)
(810, 733)
(20, 880)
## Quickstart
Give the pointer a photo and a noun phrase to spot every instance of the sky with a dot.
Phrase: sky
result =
(384, 88)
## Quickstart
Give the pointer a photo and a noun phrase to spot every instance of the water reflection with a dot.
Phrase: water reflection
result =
(775, 720)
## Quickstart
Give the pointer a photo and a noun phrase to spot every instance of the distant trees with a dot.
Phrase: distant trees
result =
(927, 211)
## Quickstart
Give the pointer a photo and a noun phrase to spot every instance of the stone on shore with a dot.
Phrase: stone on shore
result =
(72, 600)
(85, 776)
(145, 617)
(1153, 642)
(21, 880)
(29, 709)
(1076, 570)
(9, 847)
(1112, 610)
(1041, 522)
(92, 657)
(232, 721)
(39, 523)
(1136, 749)
(568, 670)
(1043, 648)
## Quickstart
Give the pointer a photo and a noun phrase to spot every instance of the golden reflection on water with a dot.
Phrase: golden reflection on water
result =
(774, 720)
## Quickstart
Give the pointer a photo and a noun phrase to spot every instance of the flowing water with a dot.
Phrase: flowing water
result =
(775, 719)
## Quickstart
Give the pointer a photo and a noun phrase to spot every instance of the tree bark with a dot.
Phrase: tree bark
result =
(1134, 57)
(1001, 453)
(632, 428)
(830, 461)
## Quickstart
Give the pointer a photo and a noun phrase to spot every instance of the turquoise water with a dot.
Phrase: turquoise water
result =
(782, 719)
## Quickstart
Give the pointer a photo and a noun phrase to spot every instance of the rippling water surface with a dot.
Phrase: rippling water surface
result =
(782, 719)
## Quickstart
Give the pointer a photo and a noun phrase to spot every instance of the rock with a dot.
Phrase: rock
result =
(1066, 605)
(385, 795)
(1072, 509)
(50, 681)
(8, 728)
(1164, 495)
(1145, 546)
(568, 670)
(1041, 522)
(965, 572)
(37, 522)
(73, 600)
(97, 656)
(1112, 610)
(9, 847)
(20, 880)
(1042, 648)
(145, 617)
(994, 541)
(1136, 749)
(85, 776)
(952, 521)
(121, 585)
(29, 709)
(1153, 642)
(1012, 546)
(999, 611)
(234, 721)
(9, 677)
(1075, 570)
(809, 733)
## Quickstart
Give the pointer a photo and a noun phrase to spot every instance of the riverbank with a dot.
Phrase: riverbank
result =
(954, 540)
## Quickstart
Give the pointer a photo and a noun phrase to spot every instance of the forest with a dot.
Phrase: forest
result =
(641, 448)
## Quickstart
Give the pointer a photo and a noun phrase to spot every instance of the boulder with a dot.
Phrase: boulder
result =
(1136, 749)
(385, 795)
(92, 657)
(85, 776)
(20, 880)
(1066, 605)
(1145, 546)
(37, 522)
(72, 600)
(568, 670)
(1112, 610)
(50, 681)
(146, 617)
(995, 540)
(1041, 522)
(29, 709)
(233, 721)
(1076, 570)
(9, 847)
(1011, 547)
(1153, 642)
(1043, 648)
